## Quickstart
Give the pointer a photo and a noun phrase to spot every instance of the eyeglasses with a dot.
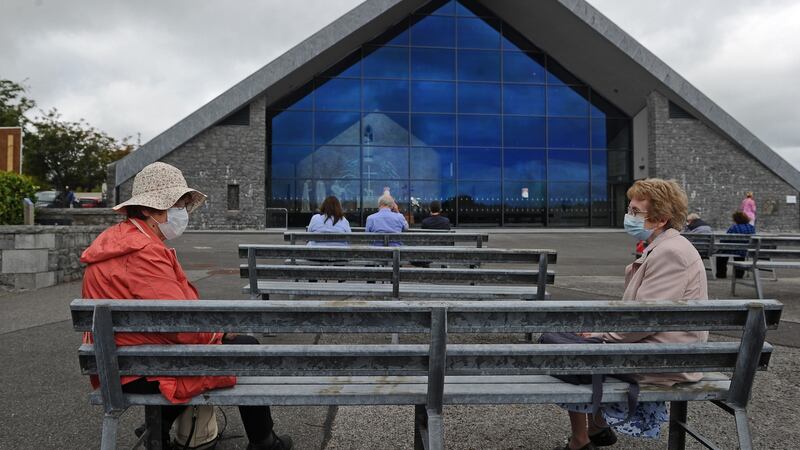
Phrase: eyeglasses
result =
(636, 213)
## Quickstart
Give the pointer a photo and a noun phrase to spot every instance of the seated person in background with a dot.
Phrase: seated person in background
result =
(436, 221)
(329, 220)
(670, 269)
(387, 219)
(741, 225)
(694, 224)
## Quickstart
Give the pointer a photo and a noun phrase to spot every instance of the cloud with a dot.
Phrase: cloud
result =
(140, 66)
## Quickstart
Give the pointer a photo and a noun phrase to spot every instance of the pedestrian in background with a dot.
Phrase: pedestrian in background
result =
(748, 207)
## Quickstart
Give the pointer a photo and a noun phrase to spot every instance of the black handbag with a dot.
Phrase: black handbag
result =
(596, 380)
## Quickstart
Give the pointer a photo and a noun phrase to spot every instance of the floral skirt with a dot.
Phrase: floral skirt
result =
(645, 422)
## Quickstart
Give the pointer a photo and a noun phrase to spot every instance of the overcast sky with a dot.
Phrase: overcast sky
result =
(131, 67)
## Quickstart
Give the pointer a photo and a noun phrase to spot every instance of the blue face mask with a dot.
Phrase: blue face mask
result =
(635, 227)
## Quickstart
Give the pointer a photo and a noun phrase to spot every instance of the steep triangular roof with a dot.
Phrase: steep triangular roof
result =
(576, 34)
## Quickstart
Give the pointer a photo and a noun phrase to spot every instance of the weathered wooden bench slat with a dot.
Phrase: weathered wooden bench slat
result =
(407, 238)
(409, 291)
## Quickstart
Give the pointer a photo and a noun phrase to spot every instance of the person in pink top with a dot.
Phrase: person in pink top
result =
(749, 207)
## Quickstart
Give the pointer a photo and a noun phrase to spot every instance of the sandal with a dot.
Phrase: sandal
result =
(604, 438)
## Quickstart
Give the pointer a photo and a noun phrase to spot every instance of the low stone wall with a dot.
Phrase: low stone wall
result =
(76, 216)
(36, 256)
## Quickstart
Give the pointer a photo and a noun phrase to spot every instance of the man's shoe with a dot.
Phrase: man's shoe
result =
(273, 442)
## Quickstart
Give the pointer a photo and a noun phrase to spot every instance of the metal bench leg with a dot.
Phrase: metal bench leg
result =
(435, 431)
(712, 260)
(733, 284)
(743, 429)
(757, 281)
(152, 419)
(110, 426)
(420, 427)
(677, 435)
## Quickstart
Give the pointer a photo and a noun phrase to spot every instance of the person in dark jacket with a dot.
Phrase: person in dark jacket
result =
(694, 224)
(741, 225)
(436, 221)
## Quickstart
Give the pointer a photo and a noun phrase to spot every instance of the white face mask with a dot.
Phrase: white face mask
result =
(177, 220)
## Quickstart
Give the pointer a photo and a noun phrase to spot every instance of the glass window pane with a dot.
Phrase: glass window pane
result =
(434, 31)
(524, 202)
(523, 99)
(521, 131)
(291, 127)
(600, 166)
(385, 162)
(477, 65)
(385, 95)
(478, 33)
(433, 96)
(619, 167)
(463, 11)
(448, 9)
(284, 195)
(514, 41)
(339, 95)
(385, 129)
(568, 165)
(293, 162)
(373, 189)
(611, 133)
(523, 67)
(349, 67)
(602, 212)
(567, 101)
(424, 192)
(386, 62)
(568, 133)
(311, 192)
(336, 128)
(603, 108)
(479, 98)
(479, 131)
(479, 164)
(433, 129)
(569, 204)
(433, 64)
(336, 162)
(432, 163)
(479, 202)
(525, 164)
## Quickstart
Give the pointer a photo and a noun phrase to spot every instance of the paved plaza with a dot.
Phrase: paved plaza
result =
(43, 396)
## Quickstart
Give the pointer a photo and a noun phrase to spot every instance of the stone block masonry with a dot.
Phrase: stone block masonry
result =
(33, 257)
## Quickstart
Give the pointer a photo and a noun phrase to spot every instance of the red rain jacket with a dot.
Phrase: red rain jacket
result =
(130, 262)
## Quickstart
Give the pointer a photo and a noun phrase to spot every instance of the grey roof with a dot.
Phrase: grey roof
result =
(576, 34)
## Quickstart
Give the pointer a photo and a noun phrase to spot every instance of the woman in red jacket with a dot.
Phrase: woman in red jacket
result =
(130, 261)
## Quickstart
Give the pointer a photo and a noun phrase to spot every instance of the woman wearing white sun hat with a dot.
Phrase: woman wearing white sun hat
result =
(130, 261)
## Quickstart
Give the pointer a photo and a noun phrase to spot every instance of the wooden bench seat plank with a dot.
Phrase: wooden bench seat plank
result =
(471, 390)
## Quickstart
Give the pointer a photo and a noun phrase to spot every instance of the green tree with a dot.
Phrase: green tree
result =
(71, 154)
(13, 104)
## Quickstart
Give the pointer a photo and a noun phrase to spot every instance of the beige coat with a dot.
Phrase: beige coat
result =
(669, 269)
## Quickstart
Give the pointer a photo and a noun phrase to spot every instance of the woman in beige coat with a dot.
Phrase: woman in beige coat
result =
(669, 269)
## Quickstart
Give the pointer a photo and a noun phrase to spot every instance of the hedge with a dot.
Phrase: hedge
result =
(14, 188)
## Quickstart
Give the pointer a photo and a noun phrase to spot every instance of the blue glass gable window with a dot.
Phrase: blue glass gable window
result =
(452, 105)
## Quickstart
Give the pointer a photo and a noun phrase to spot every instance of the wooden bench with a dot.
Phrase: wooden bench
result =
(386, 239)
(431, 374)
(401, 282)
(767, 253)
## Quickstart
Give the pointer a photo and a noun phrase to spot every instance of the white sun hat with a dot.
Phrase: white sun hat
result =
(159, 186)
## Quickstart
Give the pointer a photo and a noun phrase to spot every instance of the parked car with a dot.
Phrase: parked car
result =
(46, 199)
(91, 202)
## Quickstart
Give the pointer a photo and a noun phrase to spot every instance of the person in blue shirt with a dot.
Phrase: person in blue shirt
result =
(330, 219)
(387, 219)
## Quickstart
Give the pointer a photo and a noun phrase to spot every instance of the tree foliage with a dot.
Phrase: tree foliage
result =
(71, 154)
(14, 188)
(13, 104)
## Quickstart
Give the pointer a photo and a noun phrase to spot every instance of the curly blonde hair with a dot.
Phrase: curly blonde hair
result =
(667, 200)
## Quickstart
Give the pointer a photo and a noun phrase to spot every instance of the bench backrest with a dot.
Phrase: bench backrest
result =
(703, 242)
(413, 230)
(783, 248)
(537, 259)
(434, 358)
(386, 239)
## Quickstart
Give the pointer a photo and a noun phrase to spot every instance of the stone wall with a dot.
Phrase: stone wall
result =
(715, 172)
(76, 216)
(222, 156)
(33, 257)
